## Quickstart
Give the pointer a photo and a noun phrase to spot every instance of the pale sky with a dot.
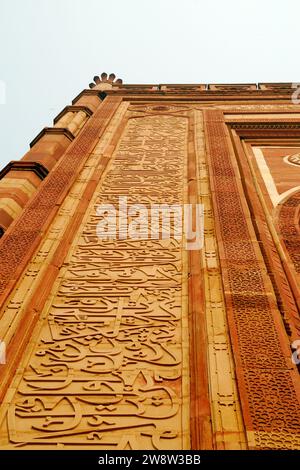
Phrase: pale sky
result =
(51, 49)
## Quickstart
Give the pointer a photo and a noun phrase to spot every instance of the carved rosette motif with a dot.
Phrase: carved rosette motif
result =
(294, 159)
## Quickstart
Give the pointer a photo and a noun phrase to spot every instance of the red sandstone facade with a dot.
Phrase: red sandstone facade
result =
(122, 344)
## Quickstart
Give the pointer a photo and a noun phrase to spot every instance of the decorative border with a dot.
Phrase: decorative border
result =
(226, 414)
(261, 207)
(277, 253)
(268, 384)
(267, 129)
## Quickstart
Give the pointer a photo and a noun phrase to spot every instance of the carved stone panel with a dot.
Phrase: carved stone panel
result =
(108, 366)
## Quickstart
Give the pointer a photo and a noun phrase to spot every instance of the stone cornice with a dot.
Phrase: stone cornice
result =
(22, 165)
(87, 92)
(206, 92)
(196, 92)
(73, 109)
(52, 130)
(271, 129)
(265, 125)
(211, 87)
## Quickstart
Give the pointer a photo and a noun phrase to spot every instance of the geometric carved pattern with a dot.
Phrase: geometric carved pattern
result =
(273, 407)
(270, 402)
(227, 421)
(110, 368)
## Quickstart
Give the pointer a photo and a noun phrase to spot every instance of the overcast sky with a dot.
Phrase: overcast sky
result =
(51, 49)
